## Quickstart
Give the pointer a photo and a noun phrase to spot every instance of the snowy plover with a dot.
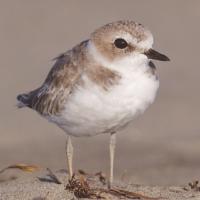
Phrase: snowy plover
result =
(100, 85)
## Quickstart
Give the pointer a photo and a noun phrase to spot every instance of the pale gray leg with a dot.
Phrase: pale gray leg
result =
(112, 154)
(69, 152)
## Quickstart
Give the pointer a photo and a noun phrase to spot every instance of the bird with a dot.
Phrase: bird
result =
(100, 85)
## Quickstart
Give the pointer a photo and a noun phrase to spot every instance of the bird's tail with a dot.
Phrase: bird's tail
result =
(23, 100)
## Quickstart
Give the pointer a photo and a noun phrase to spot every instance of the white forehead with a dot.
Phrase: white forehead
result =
(145, 43)
(126, 36)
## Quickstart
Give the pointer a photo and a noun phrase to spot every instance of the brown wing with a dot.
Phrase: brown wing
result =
(49, 99)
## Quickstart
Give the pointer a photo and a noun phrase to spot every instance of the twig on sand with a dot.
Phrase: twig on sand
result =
(53, 176)
(127, 194)
(50, 177)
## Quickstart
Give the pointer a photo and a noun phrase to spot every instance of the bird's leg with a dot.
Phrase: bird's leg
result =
(69, 152)
(112, 153)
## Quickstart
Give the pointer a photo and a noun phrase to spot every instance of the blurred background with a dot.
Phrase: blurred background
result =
(160, 147)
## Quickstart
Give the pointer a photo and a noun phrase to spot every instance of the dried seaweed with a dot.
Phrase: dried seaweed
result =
(23, 167)
(81, 189)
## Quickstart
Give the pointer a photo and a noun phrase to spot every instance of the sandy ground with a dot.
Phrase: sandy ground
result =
(42, 187)
(161, 147)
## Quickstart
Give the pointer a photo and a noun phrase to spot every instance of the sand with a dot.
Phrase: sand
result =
(39, 186)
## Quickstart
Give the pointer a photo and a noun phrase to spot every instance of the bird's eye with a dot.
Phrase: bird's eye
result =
(120, 43)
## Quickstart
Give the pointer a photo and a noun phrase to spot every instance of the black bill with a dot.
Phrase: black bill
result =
(152, 54)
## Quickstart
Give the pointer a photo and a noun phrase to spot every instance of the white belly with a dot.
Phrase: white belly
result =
(90, 110)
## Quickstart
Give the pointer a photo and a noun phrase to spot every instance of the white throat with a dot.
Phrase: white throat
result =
(133, 62)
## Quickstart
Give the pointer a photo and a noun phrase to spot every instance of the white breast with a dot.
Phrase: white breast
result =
(92, 110)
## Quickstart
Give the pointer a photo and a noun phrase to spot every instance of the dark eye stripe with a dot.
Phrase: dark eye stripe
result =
(120, 43)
